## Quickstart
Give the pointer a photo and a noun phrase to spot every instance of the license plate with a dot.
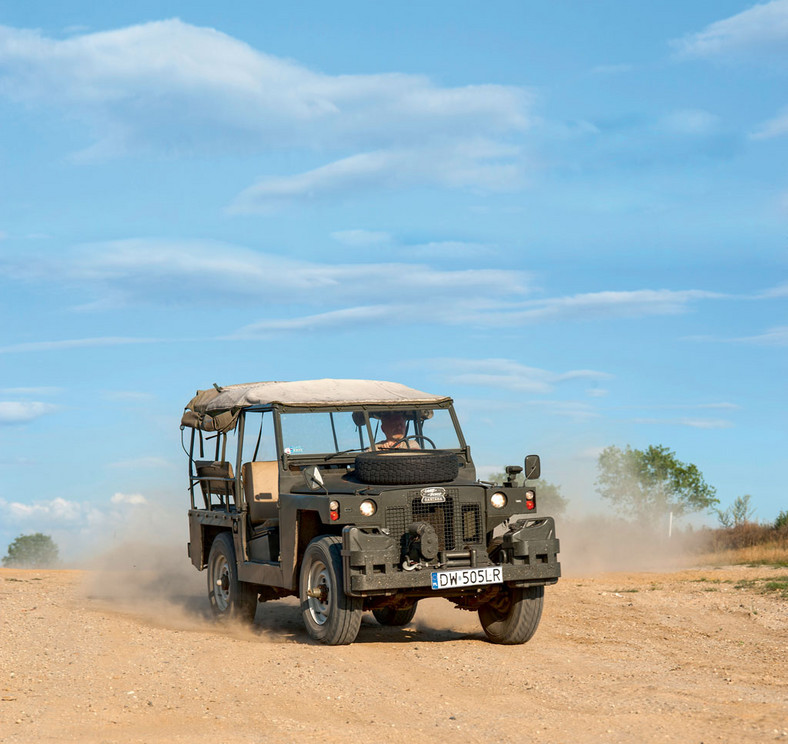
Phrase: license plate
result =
(467, 577)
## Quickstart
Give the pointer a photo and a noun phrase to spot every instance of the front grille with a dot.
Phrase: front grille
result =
(456, 524)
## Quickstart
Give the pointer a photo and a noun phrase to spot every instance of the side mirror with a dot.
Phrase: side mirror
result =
(532, 467)
(313, 477)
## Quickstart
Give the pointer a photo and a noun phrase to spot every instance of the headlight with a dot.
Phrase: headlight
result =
(368, 508)
(333, 505)
(498, 500)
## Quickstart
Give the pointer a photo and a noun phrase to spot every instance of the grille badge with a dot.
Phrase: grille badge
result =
(434, 495)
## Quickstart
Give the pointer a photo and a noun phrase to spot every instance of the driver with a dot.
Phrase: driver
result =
(395, 425)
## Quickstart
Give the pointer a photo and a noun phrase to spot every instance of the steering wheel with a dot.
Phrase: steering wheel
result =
(419, 437)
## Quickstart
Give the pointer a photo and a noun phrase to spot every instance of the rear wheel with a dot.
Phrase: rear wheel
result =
(395, 618)
(330, 615)
(229, 597)
(513, 616)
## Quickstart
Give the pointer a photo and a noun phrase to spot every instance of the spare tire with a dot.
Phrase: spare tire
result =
(404, 467)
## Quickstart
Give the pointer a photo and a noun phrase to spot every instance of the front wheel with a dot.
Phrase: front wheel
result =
(330, 615)
(513, 616)
(229, 597)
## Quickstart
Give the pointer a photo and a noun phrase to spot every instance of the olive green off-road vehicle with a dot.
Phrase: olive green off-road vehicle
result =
(358, 495)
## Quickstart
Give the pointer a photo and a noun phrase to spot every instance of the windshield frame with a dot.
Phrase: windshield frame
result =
(346, 457)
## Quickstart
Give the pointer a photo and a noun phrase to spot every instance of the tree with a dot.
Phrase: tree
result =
(647, 484)
(548, 495)
(738, 513)
(32, 551)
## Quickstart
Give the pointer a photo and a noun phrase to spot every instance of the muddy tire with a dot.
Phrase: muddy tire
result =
(405, 467)
(395, 618)
(330, 615)
(513, 617)
(229, 597)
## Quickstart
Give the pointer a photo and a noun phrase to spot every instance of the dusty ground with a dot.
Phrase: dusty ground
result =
(686, 656)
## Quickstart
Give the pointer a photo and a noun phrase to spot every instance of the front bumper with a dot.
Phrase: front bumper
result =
(372, 561)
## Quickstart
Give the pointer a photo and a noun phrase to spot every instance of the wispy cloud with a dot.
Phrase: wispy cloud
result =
(22, 412)
(759, 31)
(694, 423)
(775, 127)
(172, 86)
(774, 337)
(188, 272)
(75, 343)
(777, 336)
(508, 374)
(475, 164)
(31, 391)
(481, 312)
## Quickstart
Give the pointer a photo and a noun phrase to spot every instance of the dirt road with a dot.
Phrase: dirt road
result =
(687, 656)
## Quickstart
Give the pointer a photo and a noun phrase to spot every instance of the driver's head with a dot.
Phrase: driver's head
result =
(394, 424)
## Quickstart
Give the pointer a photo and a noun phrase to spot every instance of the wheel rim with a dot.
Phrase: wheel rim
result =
(221, 582)
(319, 583)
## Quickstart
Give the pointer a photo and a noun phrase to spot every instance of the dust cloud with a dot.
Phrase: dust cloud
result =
(592, 545)
(153, 581)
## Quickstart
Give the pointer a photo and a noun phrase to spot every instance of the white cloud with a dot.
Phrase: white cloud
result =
(775, 127)
(171, 86)
(55, 509)
(75, 343)
(694, 423)
(21, 412)
(478, 311)
(479, 165)
(31, 391)
(162, 271)
(134, 499)
(774, 337)
(761, 30)
(507, 374)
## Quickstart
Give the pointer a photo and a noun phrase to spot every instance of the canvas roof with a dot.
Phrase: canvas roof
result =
(218, 409)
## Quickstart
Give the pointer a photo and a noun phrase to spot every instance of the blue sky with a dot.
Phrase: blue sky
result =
(571, 217)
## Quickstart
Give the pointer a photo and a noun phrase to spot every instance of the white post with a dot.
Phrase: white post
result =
(670, 525)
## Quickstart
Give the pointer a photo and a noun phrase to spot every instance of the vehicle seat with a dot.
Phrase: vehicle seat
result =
(261, 488)
(216, 478)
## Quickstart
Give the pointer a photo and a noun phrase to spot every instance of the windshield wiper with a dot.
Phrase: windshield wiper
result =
(344, 452)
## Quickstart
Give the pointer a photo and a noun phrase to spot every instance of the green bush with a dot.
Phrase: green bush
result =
(32, 551)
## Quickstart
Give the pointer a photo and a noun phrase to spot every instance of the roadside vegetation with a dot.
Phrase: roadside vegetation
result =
(747, 543)
(32, 551)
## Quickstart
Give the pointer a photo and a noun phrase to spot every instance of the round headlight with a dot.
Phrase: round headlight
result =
(498, 500)
(333, 505)
(368, 508)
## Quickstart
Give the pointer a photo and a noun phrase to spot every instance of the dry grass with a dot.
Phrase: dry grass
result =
(750, 543)
(769, 554)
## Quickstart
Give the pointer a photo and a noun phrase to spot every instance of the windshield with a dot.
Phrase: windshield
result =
(325, 432)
